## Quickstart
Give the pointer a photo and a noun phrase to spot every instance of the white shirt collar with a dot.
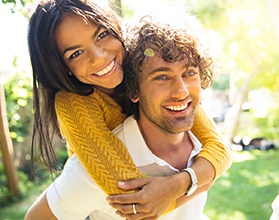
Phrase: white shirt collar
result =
(136, 145)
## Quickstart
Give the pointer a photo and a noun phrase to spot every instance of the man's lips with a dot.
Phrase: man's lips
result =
(177, 108)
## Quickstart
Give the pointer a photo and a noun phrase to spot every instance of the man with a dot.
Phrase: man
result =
(167, 72)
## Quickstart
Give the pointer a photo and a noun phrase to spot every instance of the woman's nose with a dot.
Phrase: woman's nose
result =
(96, 54)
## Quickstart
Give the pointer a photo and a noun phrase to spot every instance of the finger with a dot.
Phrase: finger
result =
(126, 209)
(122, 199)
(133, 184)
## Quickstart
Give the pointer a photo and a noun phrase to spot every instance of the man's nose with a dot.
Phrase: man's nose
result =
(179, 89)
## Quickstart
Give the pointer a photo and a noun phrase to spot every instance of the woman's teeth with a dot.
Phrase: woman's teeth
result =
(105, 70)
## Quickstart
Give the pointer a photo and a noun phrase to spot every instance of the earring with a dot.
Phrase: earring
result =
(69, 73)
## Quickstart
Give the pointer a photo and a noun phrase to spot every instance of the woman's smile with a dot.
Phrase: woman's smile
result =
(94, 55)
(106, 70)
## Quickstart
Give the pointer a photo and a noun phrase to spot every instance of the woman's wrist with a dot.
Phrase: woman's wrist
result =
(182, 182)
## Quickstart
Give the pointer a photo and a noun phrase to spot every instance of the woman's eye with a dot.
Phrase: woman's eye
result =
(103, 34)
(161, 77)
(75, 54)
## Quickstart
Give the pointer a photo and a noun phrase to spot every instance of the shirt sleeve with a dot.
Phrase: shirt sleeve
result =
(214, 149)
(85, 195)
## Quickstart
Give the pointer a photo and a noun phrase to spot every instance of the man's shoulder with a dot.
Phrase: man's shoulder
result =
(119, 130)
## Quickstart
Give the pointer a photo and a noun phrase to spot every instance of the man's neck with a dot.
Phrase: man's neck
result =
(173, 148)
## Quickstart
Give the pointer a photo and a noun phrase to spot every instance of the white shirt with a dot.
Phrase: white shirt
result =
(73, 195)
(275, 208)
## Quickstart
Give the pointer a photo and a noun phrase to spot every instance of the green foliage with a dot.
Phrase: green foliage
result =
(18, 6)
(222, 82)
(6, 197)
(269, 126)
(26, 185)
(18, 94)
(12, 1)
(15, 208)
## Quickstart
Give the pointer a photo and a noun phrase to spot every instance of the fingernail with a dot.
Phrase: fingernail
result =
(121, 183)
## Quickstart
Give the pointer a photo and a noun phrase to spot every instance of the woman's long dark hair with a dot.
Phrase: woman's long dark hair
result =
(50, 73)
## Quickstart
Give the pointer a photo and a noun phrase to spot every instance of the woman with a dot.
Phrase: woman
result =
(76, 72)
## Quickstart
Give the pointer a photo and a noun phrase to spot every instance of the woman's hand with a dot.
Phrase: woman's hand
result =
(155, 196)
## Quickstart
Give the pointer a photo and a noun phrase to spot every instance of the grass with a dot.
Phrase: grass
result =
(248, 188)
(244, 192)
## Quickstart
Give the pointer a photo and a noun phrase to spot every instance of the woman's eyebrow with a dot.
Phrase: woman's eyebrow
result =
(77, 46)
(70, 48)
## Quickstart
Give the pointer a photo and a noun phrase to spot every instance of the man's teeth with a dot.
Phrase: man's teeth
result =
(177, 108)
(106, 70)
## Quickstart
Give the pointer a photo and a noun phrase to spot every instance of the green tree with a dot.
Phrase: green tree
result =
(6, 144)
(7, 147)
(249, 36)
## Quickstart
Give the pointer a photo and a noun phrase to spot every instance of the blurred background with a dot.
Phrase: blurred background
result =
(243, 101)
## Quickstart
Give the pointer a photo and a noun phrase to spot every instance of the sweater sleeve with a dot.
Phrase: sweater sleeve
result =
(214, 150)
(86, 123)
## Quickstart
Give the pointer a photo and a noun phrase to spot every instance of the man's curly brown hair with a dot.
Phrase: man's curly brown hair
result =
(171, 43)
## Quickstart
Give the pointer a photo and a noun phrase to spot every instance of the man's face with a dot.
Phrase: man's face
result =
(169, 94)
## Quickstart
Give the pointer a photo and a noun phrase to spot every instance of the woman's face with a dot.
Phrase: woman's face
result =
(92, 54)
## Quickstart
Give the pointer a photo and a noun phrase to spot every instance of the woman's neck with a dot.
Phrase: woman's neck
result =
(108, 92)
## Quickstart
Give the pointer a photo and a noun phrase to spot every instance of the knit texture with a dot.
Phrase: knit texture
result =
(213, 149)
(86, 123)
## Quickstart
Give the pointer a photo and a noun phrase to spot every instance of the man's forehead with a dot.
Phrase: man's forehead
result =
(153, 61)
(159, 57)
(156, 62)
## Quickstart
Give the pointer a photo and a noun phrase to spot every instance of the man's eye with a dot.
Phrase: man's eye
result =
(75, 54)
(103, 34)
(192, 71)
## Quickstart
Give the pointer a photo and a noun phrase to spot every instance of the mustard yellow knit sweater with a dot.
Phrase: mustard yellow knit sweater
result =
(86, 123)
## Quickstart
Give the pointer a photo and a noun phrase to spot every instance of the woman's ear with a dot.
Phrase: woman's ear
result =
(134, 98)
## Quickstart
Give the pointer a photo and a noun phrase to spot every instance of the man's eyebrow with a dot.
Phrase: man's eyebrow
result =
(159, 69)
(77, 46)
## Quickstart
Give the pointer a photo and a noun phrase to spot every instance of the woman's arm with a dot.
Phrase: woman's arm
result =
(71, 127)
(163, 190)
(86, 123)
(214, 149)
(212, 161)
